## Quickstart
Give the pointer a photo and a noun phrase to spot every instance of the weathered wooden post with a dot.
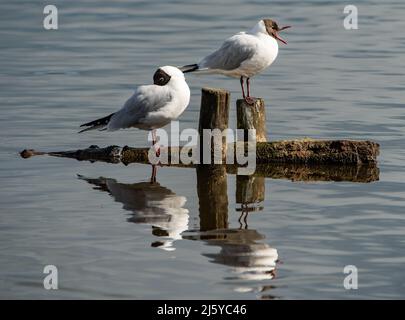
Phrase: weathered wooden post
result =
(214, 114)
(252, 117)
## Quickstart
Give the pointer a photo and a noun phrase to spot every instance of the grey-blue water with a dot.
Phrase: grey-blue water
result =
(119, 237)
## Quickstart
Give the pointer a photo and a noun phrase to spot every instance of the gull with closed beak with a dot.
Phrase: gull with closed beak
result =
(150, 107)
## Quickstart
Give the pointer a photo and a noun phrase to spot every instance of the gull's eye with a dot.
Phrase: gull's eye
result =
(161, 79)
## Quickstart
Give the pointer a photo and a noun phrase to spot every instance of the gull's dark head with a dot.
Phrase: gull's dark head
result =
(163, 75)
(161, 78)
(273, 29)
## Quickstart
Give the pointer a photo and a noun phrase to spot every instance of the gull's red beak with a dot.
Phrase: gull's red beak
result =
(278, 37)
(283, 28)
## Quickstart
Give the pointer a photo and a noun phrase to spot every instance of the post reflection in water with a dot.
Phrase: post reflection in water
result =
(250, 191)
(149, 203)
(243, 250)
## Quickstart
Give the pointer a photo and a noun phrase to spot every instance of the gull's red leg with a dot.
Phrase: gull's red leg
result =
(154, 168)
(154, 142)
(153, 176)
(153, 137)
(243, 89)
(249, 99)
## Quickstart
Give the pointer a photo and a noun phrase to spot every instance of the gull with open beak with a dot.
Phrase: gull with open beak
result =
(244, 55)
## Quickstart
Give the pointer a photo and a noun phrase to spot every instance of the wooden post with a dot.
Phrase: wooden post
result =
(252, 117)
(212, 190)
(214, 114)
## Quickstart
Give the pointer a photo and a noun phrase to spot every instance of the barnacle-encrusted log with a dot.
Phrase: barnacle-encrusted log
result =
(304, 160)
(306, 151)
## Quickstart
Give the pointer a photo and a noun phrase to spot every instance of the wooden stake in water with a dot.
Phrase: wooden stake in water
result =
(252, 117)
(214, 114)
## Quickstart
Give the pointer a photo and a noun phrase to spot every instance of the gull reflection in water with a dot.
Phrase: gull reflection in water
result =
(250, 259)
(149, 203)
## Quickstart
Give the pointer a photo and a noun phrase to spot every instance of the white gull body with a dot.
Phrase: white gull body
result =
(243, 55)
(151, 106)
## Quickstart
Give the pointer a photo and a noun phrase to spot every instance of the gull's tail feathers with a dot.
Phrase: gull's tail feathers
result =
(100, 124)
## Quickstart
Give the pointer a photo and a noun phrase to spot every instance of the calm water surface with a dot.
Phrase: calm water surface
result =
(112, 235)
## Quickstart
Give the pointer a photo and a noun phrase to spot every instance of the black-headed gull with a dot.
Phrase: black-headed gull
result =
(244, 55)
(151, 106)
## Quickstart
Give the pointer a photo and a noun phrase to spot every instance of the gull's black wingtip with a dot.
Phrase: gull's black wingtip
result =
(189, 68)
(96, 124)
